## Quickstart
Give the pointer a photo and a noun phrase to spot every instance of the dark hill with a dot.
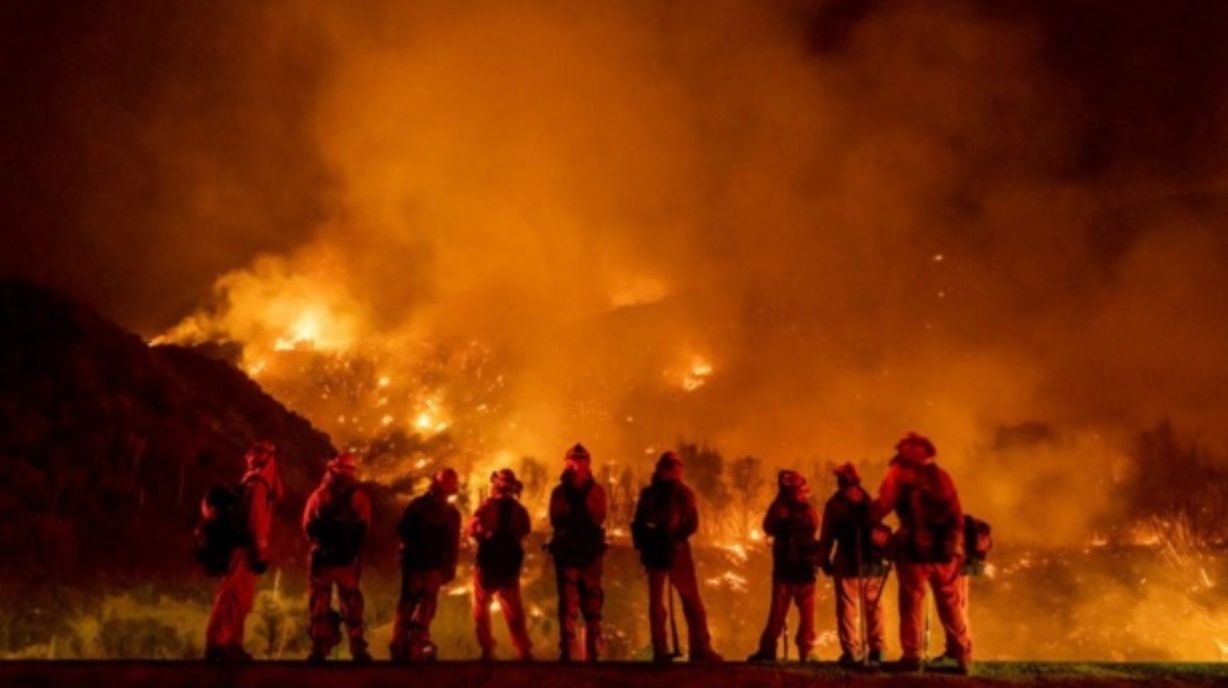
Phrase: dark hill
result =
(106, 445)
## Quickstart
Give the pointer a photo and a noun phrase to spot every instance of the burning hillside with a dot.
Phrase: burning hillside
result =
(519, 250)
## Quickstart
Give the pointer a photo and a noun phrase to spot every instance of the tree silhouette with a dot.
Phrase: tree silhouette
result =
(747, 480)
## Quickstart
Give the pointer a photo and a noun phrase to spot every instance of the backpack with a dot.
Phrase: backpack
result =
(650, 530)
(501, 555)
(220, 529)
(427, 534)
(337, 531)
(874, 539)
(934, 534)
(978, 538)
(878, 542)
(580, 541)
(796, 548)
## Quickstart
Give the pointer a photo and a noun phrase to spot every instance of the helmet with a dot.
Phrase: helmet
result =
(445, 481)
(914, 439)
(343, 462)
(504, 481)
(577, 453)
(789, 480)
(668, 461)
(846, 475)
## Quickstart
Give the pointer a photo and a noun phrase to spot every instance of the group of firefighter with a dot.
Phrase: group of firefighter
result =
(849, 542)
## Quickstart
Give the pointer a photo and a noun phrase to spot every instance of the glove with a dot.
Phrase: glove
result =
(258, 566)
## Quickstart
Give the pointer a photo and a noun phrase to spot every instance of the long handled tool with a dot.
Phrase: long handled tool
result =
(861, 602)
(882, 587)
(673, 622)
(784, 638)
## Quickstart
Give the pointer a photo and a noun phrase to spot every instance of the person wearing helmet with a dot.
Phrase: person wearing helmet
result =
(578, 508)
(498, 527)
(791, 522)
(928, 547)
(430, 543)
(857, 566)
(665, 518)
(260, 489)
(336, 520)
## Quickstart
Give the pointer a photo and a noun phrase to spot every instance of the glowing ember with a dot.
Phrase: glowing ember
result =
(736, 551)
(696, 374)
(730, 580)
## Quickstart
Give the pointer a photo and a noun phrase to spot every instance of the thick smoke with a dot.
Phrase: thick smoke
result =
(832, 222)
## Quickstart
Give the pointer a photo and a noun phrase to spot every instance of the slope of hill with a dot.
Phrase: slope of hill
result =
(106, 445)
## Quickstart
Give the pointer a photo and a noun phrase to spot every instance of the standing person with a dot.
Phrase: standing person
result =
(430, 543)
(857, 567)
(577, 513)
(978, 540)
(498, 526)
(336, 520)
(260, 488)
(791, 522)
(665, 518)
(929, 547)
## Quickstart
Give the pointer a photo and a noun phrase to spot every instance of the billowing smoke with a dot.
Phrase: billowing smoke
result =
(881, 228)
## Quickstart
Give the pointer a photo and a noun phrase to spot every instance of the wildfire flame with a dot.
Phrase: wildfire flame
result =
(694, 375)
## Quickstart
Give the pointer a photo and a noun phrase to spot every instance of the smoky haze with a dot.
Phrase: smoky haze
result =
(793, 230)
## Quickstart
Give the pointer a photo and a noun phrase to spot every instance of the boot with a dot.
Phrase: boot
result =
(707, 656)
(488, 655)
(762, 656)
(215, 653)
(317, 656)
(592, 642)
(424, 650)
(230, 654)
(662, 658)
(398, 652)
(358, 651)
(876, 657)
(847, 660)
(908, 664)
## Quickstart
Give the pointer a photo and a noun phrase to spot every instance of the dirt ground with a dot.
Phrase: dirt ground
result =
(612, 675)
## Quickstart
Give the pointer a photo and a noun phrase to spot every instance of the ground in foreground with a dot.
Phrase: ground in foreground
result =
(612, 675)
